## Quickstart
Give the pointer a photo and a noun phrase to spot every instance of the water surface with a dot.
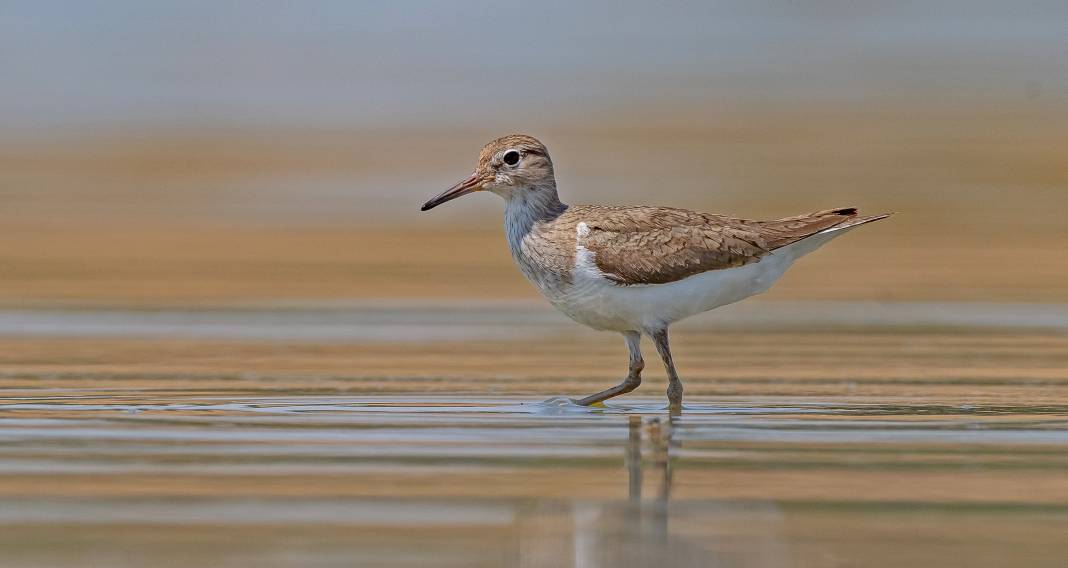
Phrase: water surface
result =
(816, 443)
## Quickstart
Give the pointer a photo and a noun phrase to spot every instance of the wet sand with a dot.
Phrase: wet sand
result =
(817, 443)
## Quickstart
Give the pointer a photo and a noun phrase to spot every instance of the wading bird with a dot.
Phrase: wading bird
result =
(635, 270)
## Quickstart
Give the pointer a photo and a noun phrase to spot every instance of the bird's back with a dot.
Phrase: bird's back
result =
(658, 245)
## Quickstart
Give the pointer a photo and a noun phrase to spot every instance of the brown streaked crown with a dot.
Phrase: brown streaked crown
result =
(522, 142)
(525, 144)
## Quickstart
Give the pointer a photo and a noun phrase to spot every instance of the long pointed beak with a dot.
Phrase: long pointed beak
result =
(469, 185)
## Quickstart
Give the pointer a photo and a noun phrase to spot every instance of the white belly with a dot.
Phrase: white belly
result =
(601, 304)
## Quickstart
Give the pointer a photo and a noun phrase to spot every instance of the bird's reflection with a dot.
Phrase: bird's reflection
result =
(637, 531)
(633, 532)
(646, 520)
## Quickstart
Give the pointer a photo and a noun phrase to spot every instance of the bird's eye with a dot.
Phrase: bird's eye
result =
(511, 157)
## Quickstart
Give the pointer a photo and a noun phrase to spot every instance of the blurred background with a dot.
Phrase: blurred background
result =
(228, 337)
(206, 152)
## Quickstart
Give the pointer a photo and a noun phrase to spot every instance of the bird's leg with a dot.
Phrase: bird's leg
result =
(634, 377)
(674, 390)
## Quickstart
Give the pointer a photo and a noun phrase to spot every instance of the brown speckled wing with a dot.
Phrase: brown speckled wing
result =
(657, 245)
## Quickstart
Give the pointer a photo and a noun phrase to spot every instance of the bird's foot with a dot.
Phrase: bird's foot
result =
(674, 394)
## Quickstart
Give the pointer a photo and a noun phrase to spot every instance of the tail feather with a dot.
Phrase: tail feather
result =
(784, 232)
(808, 244)
(856, 221)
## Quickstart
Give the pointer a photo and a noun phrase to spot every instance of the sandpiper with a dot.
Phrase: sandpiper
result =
(635, 270)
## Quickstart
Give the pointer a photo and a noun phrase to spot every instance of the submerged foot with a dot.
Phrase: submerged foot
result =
(674, 394)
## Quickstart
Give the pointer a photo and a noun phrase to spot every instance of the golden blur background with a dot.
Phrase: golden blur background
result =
(261, 152)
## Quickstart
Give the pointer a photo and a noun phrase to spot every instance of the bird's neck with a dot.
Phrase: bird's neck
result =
(526, 208)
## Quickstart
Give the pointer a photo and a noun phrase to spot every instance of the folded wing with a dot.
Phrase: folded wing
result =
(657, 245)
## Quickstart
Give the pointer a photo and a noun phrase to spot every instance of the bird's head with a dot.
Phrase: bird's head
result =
(515, 166)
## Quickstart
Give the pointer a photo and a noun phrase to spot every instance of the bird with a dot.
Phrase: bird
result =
(635, 270)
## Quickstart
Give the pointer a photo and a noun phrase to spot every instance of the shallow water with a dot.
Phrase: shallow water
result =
(834, 446)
